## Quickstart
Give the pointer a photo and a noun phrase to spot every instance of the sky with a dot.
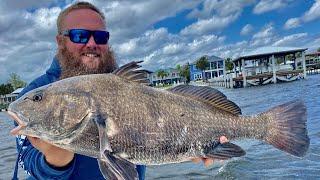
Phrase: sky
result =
(162, 33)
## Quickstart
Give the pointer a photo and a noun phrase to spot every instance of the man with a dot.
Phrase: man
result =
(82, 49)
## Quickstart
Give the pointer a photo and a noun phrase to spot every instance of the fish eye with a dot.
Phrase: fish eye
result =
(37, 97)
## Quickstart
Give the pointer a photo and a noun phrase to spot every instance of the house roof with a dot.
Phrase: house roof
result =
(17, 91)
(314, 53)
(269, 50)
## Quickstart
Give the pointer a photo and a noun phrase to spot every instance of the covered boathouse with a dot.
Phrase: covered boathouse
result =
(269, 65)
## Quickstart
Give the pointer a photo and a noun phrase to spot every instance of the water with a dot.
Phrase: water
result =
(262, 161)
(8, 152)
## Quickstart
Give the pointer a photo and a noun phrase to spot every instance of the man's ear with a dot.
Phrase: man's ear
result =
(59, 40)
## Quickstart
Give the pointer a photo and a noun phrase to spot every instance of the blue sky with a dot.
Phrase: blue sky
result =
(161, 33)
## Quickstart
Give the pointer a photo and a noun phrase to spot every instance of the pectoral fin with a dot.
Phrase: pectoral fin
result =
(112, 167)
(223, 150)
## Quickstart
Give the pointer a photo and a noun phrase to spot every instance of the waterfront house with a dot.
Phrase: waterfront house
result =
(9, 98)
(269, 65)
(216, 68)
(313, 62)
(173, 77)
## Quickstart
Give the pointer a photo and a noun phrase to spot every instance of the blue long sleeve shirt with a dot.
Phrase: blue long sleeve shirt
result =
(33, 161)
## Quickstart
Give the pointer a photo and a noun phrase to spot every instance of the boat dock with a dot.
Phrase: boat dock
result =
(265, 65)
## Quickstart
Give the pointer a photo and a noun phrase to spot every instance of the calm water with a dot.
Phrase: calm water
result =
(262, 161)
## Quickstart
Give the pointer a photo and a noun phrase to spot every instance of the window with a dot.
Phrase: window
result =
(215, 74)
(214, 65)
(208, 75)
(220, 64)
(197, 76)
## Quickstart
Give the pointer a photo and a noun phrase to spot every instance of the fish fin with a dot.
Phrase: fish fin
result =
(208, 95)
(110, 166)
(117, 168)
(129, 71)
(223, 151)
(288, 129)
(103, 136)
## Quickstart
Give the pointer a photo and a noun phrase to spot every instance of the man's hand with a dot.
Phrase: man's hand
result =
(208, 161)
(54, 155)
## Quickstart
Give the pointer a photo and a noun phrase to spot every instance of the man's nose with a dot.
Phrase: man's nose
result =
(91, 42)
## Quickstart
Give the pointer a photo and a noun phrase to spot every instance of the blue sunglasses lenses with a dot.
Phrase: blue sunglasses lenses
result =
(101, 37)
(82, 36)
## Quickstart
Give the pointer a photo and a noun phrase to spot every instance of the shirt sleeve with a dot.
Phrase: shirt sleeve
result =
(141, 171)
(34, 163)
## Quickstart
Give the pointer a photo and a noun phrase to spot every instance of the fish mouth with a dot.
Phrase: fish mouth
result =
(19, 119)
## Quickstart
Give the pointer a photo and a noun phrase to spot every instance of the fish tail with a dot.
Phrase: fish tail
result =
(287, 128)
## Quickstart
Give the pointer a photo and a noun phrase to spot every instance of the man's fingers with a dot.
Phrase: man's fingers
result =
(15, 131)
(223, 139)
(33, 140)
(196, 160)
(207, 162)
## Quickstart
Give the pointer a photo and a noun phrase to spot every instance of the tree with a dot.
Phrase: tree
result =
(318, 49)
(184, 72)
(6, 89)
(162, 73)
(16, 81)
(201, 64)
(229, 64)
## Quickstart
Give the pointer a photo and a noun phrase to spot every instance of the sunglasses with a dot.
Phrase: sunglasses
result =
(82, 36)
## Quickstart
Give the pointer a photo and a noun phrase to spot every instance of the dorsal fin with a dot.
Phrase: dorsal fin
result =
(208, 95)
(129, 71)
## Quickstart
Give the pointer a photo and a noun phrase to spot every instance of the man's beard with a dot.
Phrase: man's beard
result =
(72, 66)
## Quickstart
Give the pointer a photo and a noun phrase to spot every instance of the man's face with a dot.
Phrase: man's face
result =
(90, 54)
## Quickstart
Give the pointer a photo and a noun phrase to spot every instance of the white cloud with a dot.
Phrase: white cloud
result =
(148, 42)
(266, 31)
(247, 29)
(215, 16)
(209, 25)
(172, 49)
(292, 23)
(264, 37)
(270, 5)
(128, 19)
(312, 42)
(220, 8)
(175, 50)
(313, 13)
(291, 40)
(14, 5)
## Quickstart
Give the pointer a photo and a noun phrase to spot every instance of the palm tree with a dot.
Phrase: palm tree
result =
(184, 72)
(162, 73)
(201, 64)
(229, 64)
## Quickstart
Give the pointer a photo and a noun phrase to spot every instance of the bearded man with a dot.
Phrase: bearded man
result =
(82, 49)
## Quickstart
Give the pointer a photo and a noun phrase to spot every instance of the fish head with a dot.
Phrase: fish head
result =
(52, 112)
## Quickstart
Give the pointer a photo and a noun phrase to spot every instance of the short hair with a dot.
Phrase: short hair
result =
(78, 5)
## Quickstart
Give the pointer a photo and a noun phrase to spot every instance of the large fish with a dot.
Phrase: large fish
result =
(121, 122)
